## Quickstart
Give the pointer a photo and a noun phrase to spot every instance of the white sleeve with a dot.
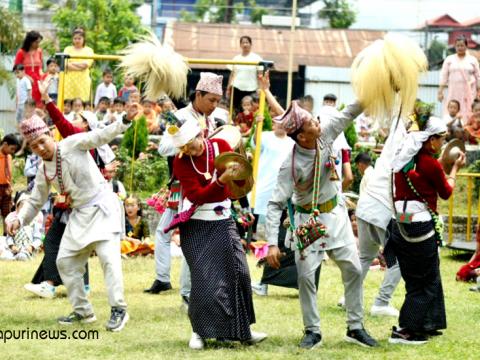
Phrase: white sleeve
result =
(35, 202)
(95, 138)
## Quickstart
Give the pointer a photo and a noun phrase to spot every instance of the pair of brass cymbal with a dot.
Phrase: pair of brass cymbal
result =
(243, 182)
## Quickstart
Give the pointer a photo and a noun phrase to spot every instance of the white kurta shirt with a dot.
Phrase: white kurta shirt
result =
(337, 222)
(95, 209)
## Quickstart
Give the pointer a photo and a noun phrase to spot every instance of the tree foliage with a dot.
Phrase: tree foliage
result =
(11, 38)
(436, 53)
(110, 24)
(339, 13)
(223, 11)
(141, 143)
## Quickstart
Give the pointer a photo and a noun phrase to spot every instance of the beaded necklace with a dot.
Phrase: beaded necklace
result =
(208, 150)
(58, 170)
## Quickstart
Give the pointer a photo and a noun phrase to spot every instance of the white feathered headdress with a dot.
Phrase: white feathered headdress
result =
(385, 75)
(161, 69)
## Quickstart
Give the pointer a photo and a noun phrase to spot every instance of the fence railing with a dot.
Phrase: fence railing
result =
(470, 178)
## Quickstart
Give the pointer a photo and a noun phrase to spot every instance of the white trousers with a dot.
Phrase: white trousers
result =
(72, 265)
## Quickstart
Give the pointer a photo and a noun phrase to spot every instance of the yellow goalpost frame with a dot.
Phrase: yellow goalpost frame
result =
(61, 60)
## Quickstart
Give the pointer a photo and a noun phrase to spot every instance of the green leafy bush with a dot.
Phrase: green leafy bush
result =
(128, 140)
(150, 173)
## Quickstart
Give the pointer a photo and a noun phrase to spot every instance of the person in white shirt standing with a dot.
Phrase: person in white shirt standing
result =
(106, 88)
(24, 91)
(243, 78)
(374, 212)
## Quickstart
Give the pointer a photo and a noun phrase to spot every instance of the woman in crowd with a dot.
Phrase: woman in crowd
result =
(461, 75)
(243, 78)
(77, 76)
(30, 55)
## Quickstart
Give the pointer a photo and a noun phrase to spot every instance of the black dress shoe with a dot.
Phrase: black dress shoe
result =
(158, 287)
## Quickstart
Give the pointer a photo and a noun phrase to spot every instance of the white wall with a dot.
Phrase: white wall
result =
(7, 103)
(323, 80)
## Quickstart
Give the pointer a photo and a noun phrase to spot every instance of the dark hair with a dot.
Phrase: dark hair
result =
(51, 60)
(139, 203)
(79, 31)
(147, 100)
(118, 100)
(461, 38)
(194, 93)
(455, 102)
(31, 102)
(87, 103)
(30, 38)
(77, 99)
(107, 71)
(11, 139)
(248, 38)
(104, 99)
(294, 135)
(332, 97)
(363, 158)
(18, 67)
(68, 102)
(255, 98)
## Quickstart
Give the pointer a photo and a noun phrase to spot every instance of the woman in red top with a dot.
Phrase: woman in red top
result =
(31, 57)
(419, 181)
(221, 303)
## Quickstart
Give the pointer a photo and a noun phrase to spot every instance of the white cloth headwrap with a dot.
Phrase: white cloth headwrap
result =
(189, 130)
(414, 140)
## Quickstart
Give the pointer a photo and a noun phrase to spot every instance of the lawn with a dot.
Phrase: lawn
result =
(159, 329)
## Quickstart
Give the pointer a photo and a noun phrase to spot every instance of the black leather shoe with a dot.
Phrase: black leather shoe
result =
(311, 340)
(158, 287)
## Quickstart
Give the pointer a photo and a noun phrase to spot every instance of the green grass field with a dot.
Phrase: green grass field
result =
(159, 329)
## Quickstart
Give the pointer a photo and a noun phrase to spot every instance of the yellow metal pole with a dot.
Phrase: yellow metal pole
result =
(450, 219)
(469, 207)
(189, 60)
(62, 62)
(258, 148)
(478, 209)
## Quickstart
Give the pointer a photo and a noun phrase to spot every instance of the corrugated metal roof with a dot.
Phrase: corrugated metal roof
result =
(336, 48)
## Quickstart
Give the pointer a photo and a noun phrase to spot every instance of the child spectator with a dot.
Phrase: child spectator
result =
(244, 120)
(102, 108)
(134, 97)
(364, 128)
(127, 88)
(473, 129)
(88, 105)
(137, 234)
(150, 116)
(118, 110)
(106, 88)
(454, 121)
(67, 109)
(364, 166)
(220, 114)
(9, 146)
(116, 185)
(27, 239)
(52, 73)
(77, 108)
(30, 170)
(24, 91)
